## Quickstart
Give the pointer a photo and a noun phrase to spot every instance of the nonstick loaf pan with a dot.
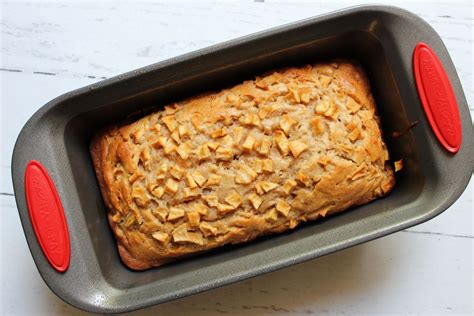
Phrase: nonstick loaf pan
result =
(414, 83)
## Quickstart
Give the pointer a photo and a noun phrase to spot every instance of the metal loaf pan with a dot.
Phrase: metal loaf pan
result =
(381, 38)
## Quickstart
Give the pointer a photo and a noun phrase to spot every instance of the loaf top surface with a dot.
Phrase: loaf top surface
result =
(226, 167)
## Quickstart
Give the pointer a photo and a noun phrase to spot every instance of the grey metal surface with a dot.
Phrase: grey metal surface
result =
(381, 38)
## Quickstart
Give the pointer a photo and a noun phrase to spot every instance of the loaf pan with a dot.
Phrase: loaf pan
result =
(75, 251)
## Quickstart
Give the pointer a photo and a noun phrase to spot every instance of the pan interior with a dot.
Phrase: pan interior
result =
(151, 91)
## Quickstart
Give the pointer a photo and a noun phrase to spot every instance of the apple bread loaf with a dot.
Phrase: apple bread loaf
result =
(261, 157)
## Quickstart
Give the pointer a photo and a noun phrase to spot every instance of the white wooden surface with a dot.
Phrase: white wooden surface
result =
(49, 49)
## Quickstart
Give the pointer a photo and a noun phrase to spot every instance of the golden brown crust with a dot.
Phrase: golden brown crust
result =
(227, 167)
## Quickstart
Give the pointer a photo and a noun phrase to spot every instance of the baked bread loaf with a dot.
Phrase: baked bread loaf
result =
(227, 167)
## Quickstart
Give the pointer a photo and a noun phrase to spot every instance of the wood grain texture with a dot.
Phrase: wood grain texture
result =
(51, 48)
(86, 39)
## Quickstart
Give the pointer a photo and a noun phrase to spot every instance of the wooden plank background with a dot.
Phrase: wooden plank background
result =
(51, 48)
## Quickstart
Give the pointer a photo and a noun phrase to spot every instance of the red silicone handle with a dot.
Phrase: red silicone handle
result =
(437, 97)
(47, 216)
